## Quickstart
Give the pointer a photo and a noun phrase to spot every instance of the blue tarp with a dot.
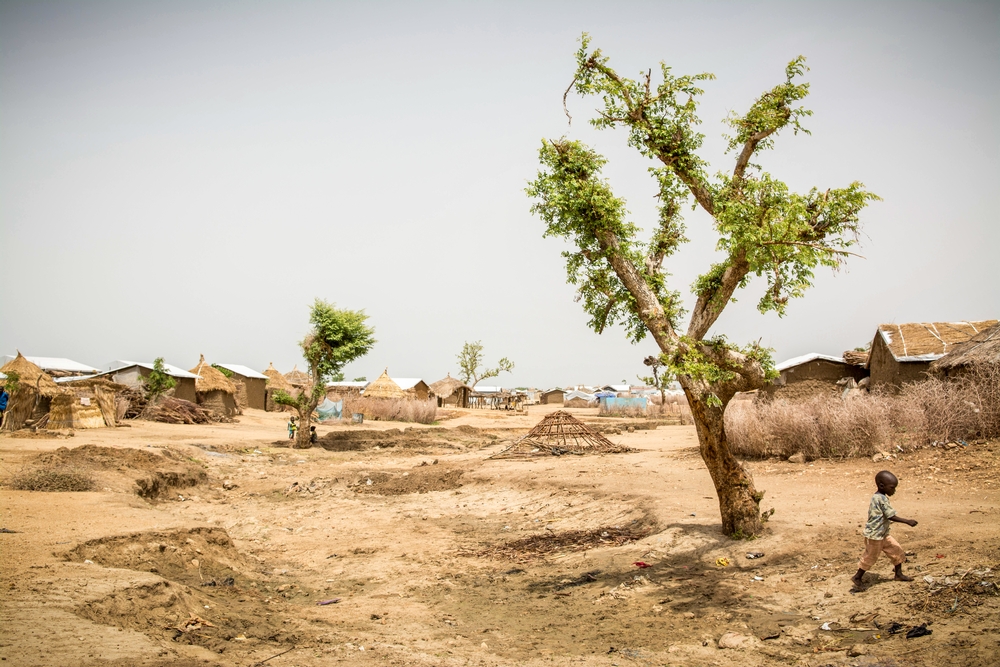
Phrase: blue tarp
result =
(328, 410)
(619, 403)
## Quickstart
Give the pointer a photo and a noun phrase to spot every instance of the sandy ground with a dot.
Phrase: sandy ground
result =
(213, 545)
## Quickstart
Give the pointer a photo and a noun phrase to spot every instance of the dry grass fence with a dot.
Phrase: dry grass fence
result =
(924, 412)
(391, 409)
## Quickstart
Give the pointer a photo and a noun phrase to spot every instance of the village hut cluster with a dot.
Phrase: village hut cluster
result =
(64, 394)
(898, 354)
(58, 393)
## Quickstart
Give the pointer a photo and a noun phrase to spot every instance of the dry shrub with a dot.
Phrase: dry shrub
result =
(45, 479)
(932, 410)
(964, 407)
(392, 409)
(817, 427)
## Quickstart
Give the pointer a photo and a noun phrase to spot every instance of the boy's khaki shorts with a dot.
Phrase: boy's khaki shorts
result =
(874, 548)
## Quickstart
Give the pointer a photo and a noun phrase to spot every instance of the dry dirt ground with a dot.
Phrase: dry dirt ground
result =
(218, 545)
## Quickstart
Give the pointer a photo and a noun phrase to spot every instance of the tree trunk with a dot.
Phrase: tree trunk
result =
(739, 502)
(305, 421)
(316, 395)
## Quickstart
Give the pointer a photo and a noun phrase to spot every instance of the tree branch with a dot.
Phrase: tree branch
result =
(748, 150)
(650, 310)
(710, 304)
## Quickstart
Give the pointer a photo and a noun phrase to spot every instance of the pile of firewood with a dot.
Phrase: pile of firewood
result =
(179, 411)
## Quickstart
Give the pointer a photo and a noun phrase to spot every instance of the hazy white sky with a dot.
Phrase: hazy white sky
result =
(183, 178)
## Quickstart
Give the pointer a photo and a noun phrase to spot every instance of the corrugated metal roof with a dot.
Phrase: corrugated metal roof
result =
(245, 371)
(617, 387)
(487, 389)
(169, 369)
(54, 364)
(348, 385)
(76, 378)
(579, 394)
(806, 358)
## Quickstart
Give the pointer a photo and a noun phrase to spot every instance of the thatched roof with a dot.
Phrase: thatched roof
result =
(983, 348)
(448, 386)
(211, 379)
(928, 341)
(275, 380)
(298, 378)
(31, 376)
(383, 387)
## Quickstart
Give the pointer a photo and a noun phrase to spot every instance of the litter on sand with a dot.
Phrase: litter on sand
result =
(755, 554)
(641, 564)
(722, 562)
(323, 603)
(918, 631)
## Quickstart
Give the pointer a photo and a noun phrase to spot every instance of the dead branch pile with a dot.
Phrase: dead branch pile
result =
(130, 403)
(179, 411)
(957, 592)
(537, 546)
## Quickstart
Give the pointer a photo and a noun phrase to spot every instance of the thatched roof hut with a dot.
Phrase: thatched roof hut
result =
(384, 387)
(297, 378)
(903, 353)
(983, 348)
(33, 398)
(451, 391)
(214, 390)
(31, 376)
(276, 382)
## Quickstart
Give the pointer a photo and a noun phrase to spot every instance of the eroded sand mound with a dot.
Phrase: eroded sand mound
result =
(153, 474)
(192, 557)
(210, 594)
(419, 480)
(461, 437)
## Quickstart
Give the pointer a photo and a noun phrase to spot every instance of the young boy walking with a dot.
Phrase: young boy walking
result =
(877, 538)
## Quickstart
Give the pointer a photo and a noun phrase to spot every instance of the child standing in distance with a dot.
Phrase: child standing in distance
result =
(877, 538)
(292, 428)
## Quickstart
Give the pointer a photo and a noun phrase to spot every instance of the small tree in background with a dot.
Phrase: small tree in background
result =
(471, 358)
(158, 382)
(660, 378)
(337, 338)
(763, 229)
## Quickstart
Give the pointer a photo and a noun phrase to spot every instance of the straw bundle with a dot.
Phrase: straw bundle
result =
(384, 387)
(856, 357)
(211, 379)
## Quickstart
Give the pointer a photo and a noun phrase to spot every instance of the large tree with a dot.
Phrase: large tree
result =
(763, 229)
(337, 338)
